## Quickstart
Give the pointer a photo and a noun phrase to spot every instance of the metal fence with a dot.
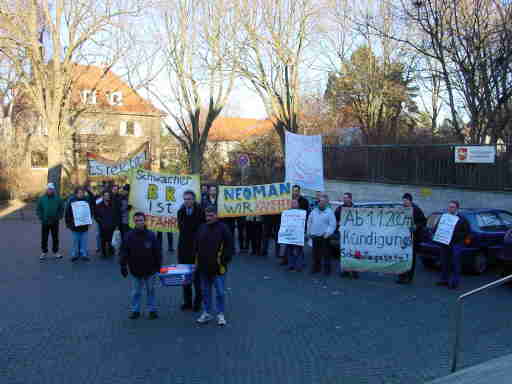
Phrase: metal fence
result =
(429, 165)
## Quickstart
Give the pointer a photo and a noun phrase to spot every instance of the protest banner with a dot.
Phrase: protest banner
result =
(304, 161)
(81, 213)
(159, 196)
(376, 239)
(98, 166)
(445, 228)
(293, 225)
(254, 200)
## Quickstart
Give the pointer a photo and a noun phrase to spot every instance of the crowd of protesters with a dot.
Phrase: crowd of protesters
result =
(208, 242)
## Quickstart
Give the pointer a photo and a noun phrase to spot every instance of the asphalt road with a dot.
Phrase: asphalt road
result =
(68, 323)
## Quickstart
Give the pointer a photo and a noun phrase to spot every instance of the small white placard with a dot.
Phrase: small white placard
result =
(81, 213)
(445, 228)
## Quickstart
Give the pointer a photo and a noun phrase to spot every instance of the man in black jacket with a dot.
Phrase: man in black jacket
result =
(303, 202)
(190, 218)
(214, 249)
(141, 255)
(107, 215)
(450, 254)
(419, 222)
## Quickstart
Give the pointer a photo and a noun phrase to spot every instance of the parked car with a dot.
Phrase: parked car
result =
(482, 246)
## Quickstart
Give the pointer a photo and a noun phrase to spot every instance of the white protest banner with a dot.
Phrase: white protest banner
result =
(304, 161)
(293, 225)
(376, 239)
(484, 154)
(445, 228)
(81, 213)
(100, 167)
(159, 196)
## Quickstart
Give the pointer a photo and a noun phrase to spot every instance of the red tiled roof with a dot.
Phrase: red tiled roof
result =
(88, 77)
(237, 129)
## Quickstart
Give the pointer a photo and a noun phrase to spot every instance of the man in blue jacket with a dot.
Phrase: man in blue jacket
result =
(141, 255)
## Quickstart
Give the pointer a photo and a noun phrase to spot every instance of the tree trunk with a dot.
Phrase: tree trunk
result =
(54, 157)
(195, 159)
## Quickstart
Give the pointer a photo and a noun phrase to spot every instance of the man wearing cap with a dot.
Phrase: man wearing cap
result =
(50, 210)
(419, 221)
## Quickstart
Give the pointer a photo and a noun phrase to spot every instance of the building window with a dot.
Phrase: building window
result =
(130, 128)
(38, 159)
(115, 98)
(88, 96)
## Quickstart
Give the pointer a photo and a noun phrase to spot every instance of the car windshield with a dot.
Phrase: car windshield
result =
(489, 221)
(506, 218)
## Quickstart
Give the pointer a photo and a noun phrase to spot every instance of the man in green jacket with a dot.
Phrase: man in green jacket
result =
(50, 210)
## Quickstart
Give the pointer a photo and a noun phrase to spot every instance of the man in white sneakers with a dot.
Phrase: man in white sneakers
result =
(214, 249)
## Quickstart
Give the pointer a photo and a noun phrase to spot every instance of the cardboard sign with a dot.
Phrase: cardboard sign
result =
(376, 239)
(304, 161)
(81, 213)
(293, 226)
(254, 200)
(159, 196)
(445, 228)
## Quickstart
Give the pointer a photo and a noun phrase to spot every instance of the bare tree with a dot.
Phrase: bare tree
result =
(470, 41)
(200, 62)
(44, 40)
(274, 41)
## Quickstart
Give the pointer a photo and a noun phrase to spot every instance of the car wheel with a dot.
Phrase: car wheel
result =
(478, 263)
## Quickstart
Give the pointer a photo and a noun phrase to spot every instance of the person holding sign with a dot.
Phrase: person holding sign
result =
(291, 234)
(321, 225)
(78, 218)
(419, 222)
(450, 232)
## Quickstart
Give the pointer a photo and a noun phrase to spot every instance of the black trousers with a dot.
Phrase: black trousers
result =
(45, 232)
(321, 254)
(170, 241)
(241, 225)
(255, 235)
(187, 292)
(106, 241)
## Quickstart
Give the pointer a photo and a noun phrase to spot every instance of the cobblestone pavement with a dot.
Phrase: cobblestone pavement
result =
(67, 323)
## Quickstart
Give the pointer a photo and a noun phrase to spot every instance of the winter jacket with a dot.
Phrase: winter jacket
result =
(124, 210)
(420, 221)
(69, 218)
(50, 209)
(107, 216)
(460, 231)
(141, 252)
(188, 226)
(214, 248)
(303, 203)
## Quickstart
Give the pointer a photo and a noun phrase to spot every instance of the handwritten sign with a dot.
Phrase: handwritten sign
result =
(254, 200)
(304, 161)
(376, 239)
(81, 213)
(445, 228)
(159, 196)
(293, 225)
(101, 167)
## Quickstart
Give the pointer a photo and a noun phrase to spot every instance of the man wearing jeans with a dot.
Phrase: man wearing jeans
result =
(321, 225)
(214, 249)
(78, 230)
(50, 209)
(141, 254)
